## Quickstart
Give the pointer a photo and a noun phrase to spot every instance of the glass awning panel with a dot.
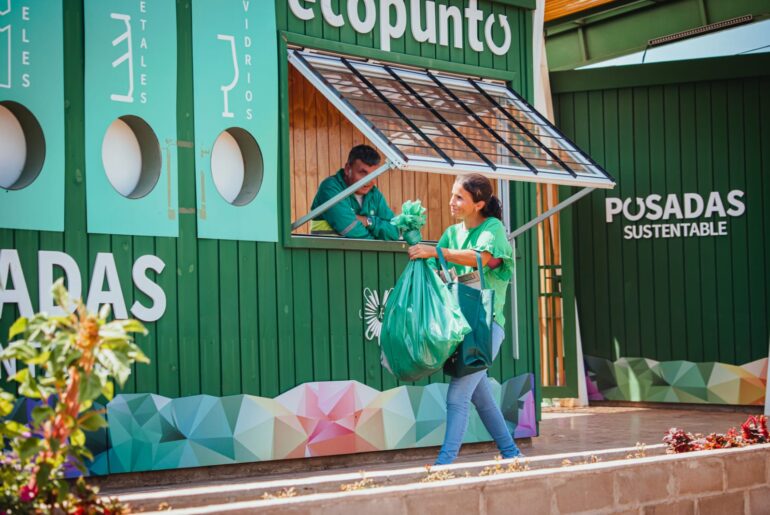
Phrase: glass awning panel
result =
(427, 121)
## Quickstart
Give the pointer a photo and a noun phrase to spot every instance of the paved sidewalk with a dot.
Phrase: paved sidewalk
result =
(598, 427)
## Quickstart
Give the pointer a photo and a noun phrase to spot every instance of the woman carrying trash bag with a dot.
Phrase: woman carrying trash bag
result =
(480, 231)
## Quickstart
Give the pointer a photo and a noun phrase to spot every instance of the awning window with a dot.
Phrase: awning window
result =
(426, 121)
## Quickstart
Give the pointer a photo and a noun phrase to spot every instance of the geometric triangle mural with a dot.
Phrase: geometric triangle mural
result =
(642, 379)
(151, 432)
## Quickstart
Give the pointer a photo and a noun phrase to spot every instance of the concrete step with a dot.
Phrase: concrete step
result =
(355, 478)
(721, 481)
(564, 434)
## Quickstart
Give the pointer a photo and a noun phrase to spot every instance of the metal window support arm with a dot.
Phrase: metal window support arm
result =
(336, 199)
(555, 209)
(512, 238)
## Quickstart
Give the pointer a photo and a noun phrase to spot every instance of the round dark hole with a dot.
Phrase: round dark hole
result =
(236, 166)
(131, 156)
(22, 146)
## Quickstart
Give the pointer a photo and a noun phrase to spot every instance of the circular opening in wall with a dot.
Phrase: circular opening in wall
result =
(131, 156)
(22, 146)
(236, 166)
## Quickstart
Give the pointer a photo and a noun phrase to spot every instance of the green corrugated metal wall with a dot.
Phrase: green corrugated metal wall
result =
(697, 299)
(260, 318)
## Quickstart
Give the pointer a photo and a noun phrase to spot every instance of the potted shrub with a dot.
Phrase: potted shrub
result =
(77, 359)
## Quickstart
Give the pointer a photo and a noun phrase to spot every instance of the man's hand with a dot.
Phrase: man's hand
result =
(421, 251)
(363, 220)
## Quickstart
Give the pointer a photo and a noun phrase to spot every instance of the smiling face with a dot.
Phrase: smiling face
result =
(358, 170)
(461, 204)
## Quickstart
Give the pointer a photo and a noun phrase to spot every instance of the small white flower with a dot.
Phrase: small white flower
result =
(374, 310)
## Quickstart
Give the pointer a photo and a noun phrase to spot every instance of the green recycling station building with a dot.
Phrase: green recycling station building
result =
(161, 155)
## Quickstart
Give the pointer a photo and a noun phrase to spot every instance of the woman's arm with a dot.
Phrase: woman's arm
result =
(465, 257)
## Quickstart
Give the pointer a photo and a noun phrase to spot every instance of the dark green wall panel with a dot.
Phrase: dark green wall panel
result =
(693, 298)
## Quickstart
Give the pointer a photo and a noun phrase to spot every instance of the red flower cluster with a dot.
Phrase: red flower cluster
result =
(27, 493)
(679, 441)
(754, 430)
(85, 510)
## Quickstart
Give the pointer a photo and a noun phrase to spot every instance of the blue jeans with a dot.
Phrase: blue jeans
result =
(475, 388)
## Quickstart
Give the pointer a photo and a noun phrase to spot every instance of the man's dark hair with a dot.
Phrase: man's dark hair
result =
(365, 153)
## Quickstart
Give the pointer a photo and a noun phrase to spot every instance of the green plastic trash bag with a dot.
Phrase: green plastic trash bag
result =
(422, 324)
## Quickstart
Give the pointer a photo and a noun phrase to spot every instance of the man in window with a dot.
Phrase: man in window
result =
(365, 214)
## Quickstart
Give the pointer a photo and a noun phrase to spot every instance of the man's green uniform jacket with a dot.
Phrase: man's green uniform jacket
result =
(341, 219)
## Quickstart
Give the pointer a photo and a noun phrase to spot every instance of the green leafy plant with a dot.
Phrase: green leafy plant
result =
(77, 359)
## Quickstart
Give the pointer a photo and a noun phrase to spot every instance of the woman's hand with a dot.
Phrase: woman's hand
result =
(421, 251)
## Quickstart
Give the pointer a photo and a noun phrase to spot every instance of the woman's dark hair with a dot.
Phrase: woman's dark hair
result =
(480, 189)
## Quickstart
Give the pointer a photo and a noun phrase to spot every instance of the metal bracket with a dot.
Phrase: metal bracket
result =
(555, 209)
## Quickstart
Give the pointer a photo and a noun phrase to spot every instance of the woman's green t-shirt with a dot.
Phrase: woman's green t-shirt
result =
(489, 236)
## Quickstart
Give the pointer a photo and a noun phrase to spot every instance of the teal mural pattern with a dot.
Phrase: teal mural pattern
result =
(151, 432)
(641, 379)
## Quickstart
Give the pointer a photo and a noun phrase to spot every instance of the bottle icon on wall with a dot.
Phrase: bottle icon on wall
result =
(5, 47)
(128, 58)
(226, 113)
